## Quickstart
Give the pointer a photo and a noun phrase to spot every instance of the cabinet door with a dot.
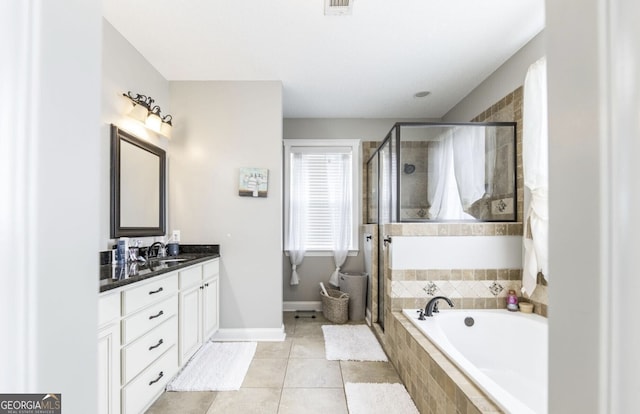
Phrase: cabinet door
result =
(109, 370)
(210, 308)
(190, 322)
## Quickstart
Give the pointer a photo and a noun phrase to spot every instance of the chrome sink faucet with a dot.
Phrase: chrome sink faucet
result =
(160, 251)
(432, 307)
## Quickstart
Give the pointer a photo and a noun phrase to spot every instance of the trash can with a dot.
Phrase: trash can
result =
(355, 285)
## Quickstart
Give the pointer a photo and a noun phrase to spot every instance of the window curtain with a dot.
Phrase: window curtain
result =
(340, 201)
(297, 215)
(442, 188)
(535, 157)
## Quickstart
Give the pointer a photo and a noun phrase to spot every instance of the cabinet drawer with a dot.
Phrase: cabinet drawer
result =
(211, 269)
(143, 321)
(141, 296)
(150, 383)
(190, 276)
(108, 308)
(139, 354)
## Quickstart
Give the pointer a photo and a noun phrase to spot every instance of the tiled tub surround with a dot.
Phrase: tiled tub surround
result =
(467, 288)
(436, 385)
(523, 390)
(414, 278)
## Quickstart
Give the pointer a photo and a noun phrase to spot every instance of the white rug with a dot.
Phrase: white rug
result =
(217, 366)
(351, 343)
(378, 399)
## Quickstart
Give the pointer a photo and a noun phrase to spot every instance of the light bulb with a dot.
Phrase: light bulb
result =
(139, 112)
(153, 122)
(165, 129)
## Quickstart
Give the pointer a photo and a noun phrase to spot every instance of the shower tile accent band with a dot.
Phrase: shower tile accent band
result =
(454, 229)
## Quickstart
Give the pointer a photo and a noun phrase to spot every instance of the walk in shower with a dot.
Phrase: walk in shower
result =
(441, 172)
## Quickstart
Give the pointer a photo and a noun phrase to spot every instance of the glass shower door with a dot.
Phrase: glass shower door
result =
(386, 211)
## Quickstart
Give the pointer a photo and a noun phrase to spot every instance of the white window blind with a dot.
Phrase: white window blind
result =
(323, 172)
(325, 168)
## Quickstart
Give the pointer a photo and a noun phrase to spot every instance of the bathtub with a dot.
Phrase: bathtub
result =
(504, 353)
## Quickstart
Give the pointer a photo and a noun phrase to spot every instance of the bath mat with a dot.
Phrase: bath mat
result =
(217, 366)
(351, 343)
(378, 399)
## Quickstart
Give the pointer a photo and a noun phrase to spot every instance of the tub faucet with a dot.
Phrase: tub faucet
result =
(432, 306)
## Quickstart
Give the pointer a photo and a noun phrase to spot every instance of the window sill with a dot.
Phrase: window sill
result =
(319, 253)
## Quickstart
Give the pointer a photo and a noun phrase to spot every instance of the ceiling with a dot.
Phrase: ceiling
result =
(365, 65)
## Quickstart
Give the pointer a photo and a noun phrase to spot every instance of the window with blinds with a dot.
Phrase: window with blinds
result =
(324, 171)
(323, 168)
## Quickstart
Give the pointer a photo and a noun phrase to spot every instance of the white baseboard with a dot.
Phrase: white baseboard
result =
(302, 306)
(257, 334)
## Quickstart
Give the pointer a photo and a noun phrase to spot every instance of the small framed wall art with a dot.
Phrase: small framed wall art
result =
(254, 182)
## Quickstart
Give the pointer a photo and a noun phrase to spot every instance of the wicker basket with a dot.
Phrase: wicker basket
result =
(335, 307)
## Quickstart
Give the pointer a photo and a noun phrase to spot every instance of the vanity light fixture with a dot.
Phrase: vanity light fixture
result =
(145, 111)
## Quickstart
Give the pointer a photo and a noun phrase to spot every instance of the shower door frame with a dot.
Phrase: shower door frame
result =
(381, 220)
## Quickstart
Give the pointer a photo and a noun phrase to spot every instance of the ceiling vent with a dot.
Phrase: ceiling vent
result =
(337, 7)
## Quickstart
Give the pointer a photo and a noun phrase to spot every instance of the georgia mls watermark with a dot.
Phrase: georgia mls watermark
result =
(30, 403)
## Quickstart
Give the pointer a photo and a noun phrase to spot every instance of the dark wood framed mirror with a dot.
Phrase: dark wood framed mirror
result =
(138, 186)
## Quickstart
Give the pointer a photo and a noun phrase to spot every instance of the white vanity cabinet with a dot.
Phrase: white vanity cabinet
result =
(148, 329)
(109, 353)
(199, 306)
(149, 351)
(210, 298)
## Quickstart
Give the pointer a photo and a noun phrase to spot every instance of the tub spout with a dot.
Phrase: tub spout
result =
(432, 305)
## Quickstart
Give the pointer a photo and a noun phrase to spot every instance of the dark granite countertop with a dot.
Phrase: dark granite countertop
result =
(115, 276)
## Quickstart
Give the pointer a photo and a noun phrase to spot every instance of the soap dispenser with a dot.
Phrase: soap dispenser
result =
(512, 301)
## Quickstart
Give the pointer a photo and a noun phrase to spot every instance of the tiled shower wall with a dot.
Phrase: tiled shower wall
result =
(414, 203)
(470, 288)
(509, 109)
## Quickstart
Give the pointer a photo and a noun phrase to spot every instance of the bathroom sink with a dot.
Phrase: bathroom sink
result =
(162, 260)
(174, 259)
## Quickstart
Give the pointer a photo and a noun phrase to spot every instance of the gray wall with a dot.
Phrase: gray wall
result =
(504, 80)
(220, 127)
(316, 269)
(341, 128)
(124, 69)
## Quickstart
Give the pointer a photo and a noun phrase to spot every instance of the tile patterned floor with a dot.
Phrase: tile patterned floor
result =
(284, 378)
